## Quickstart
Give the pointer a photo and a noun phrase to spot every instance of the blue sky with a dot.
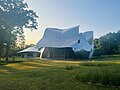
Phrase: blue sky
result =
(101, 16)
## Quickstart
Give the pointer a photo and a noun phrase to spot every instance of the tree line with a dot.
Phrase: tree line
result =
(107, 44)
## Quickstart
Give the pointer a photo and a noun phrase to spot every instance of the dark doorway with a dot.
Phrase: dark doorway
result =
(58, 53)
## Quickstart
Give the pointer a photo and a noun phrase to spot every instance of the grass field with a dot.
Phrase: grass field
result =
(99, 73)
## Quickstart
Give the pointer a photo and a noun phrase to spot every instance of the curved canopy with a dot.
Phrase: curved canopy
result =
(30, 49)
(59, 38)
(62, 38)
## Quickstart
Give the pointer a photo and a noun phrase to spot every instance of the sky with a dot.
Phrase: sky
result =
(100, 16)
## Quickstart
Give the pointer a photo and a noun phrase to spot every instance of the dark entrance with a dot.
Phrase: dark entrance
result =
(58, 53)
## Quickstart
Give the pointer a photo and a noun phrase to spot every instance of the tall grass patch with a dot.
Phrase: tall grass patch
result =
(97, 63)
(100, 74)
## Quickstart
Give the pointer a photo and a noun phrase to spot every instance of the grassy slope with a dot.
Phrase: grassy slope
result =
(50, 75)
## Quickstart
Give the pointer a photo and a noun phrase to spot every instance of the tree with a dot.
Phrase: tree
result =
(14, 17)
(107, 44)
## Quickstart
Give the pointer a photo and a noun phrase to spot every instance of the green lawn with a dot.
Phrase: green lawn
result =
(30, 74)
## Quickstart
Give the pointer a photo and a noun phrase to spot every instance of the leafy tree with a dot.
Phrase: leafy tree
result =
(107, 44)
(97, 47)
(14, 17)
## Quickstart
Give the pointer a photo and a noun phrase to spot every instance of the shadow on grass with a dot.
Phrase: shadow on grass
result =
(7, 70)
(9, 62)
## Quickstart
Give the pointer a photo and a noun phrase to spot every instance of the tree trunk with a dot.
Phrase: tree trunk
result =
(0, 54)
(7, 53)
(1, 48)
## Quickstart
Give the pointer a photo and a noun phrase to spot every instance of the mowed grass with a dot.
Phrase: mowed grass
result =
(34, 74)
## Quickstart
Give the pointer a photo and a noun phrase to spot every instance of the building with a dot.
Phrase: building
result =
(66, 43)
(62, 44)
(30, 52)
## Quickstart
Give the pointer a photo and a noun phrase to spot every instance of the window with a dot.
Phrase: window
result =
(79, 41)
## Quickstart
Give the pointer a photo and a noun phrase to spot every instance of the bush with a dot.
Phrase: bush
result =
(69, 67)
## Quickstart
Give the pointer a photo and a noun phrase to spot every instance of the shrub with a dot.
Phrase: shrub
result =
(69, 67)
